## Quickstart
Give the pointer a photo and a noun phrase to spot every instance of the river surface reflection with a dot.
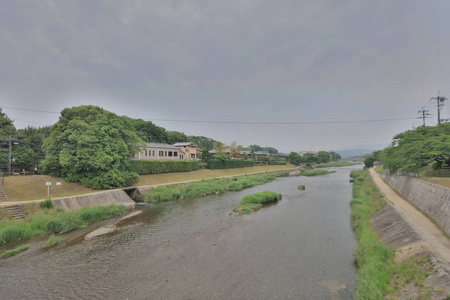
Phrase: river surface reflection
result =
(299, 248)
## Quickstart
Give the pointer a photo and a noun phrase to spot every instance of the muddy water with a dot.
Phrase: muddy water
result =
(299, 248)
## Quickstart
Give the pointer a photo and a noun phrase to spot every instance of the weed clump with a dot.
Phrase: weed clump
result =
(53, 240)
(46, 204)
(254, 202)
(301, 187)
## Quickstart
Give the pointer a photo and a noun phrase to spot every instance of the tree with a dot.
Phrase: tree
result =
(219, 147)
(34, 137)
(176, 137)
(295, 158)
(235, 149)
(369, 161)
(335, 156)
(323, 157)
(255, 148)
(149, 132)
(6, 126)
(271, 150)
(413, 149)
(206, 155)
(310, 158)
(202, 142)
(91, 146)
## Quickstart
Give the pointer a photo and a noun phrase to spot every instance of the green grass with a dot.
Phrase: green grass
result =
(54, 221)
(334, 164)
(301, 187)
(316, 172)
(254, 202)
(53, 240)
(379, 169)
(378, 274)
(209, 187)
(13, 252)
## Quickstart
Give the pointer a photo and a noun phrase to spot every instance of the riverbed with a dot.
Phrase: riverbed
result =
(298, 248)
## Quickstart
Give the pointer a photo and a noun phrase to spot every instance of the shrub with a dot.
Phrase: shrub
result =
(13, 234)
(46, 204)
(142, 167)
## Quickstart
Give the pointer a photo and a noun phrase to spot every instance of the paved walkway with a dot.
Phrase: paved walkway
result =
(434, 235)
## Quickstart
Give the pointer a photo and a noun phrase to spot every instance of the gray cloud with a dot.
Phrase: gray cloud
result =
(230, 61)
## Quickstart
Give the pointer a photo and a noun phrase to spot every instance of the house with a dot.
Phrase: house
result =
(189, 148)
(159, 151)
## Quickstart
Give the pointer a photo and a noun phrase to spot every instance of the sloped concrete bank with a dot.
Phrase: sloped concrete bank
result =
(118, 197)
(432, 199)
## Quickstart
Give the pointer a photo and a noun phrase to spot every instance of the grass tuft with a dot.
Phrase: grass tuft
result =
(13, 252)
(301, 187)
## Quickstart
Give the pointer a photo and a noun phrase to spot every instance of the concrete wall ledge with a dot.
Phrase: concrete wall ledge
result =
(430, 198)
(118, 197)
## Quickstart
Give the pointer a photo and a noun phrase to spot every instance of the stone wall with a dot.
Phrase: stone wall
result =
(432, 199)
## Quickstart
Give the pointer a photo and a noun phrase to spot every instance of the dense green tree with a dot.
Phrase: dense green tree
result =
(219, 147)
(311, 158)
(335, 156)
(323, 157)
(6, 126)
(202, 142)
(413, 149)
(271, 150)
(91, 146)
(176, 137)
(22, 158)
(206, 155)
(255, 148)
(295, 158)
(34, 137)
(149, 132)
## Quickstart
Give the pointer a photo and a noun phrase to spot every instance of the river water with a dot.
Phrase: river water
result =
(298, 248)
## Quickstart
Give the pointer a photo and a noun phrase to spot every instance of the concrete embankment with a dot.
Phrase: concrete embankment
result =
(432, 199)
(118, 197)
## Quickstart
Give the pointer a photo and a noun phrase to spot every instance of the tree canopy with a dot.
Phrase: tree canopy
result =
(413, 149)
(91, 146)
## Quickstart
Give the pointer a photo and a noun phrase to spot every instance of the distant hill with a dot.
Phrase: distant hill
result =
(354, 152)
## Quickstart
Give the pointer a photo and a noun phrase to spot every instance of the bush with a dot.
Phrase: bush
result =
(46, 204)
(13, 234)
(229, 164)
(143, 167)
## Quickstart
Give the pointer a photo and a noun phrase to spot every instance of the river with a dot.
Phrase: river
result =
(298, 248)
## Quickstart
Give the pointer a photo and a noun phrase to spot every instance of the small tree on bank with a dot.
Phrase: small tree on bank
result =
(91, 146)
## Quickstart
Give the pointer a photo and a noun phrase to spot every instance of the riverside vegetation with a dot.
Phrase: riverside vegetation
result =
(55, 221)
(316, 172)
(209, 187)
(379, 276)
(254, 202)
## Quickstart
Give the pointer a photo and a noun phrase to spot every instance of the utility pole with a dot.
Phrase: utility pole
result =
(424, 113)
(440, 102)
(9, 154)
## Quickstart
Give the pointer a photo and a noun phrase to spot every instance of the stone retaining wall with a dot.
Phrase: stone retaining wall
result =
(101, 198)
(432, 199)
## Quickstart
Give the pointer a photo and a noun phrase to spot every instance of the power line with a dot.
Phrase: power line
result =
(245, 122)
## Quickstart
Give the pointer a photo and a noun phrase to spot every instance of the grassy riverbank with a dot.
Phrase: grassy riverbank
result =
(32, 187)
(209, 187)
(379, 276)
(45, 221)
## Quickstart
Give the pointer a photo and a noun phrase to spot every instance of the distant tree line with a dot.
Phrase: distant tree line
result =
(313, 158)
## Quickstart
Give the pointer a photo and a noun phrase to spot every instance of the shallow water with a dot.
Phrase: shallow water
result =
(299, 248)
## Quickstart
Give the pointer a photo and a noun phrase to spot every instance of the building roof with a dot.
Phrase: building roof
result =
(161, 145)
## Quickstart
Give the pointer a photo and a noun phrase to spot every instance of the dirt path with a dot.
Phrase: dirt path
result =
(431, 235)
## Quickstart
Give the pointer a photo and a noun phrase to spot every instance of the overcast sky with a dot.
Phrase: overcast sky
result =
(231, 61)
